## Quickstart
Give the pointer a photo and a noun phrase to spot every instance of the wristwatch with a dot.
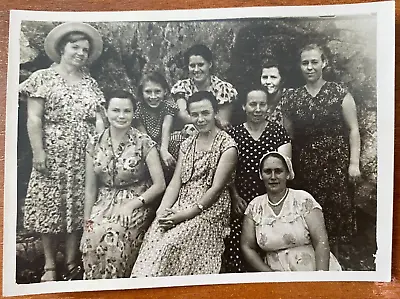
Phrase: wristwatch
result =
(141, 198)
(200, 206)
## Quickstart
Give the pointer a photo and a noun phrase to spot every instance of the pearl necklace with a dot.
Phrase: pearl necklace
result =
(280, 201)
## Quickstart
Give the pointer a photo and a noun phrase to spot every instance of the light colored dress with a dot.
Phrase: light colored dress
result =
(194, 246)
(285, 238)
(54, 202)
(108, 249)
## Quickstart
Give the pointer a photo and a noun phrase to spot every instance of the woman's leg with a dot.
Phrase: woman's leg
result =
(74, 267)
(49, 248)
(71, 249)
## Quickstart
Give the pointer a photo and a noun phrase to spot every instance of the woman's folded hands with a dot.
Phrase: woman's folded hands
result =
(170, 218)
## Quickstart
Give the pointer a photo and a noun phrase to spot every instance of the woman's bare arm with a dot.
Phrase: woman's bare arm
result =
(319, 238)
(224, 116)
(172, 191)
(90, 188)
(166, 157)
(249, 247)
(350, 117)
(183, 114)
(35, 132)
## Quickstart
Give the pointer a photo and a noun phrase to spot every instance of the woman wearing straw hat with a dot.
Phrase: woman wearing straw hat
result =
(64, 105)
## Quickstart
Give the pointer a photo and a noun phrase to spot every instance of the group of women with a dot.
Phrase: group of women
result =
(163, 184)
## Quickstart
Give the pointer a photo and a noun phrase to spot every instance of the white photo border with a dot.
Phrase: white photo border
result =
(385, 44)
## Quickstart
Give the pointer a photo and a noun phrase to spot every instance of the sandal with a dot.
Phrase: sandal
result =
(47, 271)
(74, 272)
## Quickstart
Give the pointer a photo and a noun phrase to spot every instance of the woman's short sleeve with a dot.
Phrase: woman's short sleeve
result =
(91, 144)
(181, 88)
(98, 93)
(288, 100)
(282, 136)
(138, 113)
(340, 91)
(170, 107)
(227, 143)
(147, 143)
(224, 92)
(254, 210)
(305, 203)
(38, 85)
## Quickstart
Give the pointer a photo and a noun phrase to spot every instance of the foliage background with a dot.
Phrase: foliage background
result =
(131, 48)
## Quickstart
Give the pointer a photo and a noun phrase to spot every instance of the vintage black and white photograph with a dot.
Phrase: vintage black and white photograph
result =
(145, 149)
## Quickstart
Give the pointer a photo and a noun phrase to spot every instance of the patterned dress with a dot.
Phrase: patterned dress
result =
(276, 115)
(248, 182)
(285, 238)
(321, 153)
(54, 202)
(108, 249)
(194, 246)
(223, 91)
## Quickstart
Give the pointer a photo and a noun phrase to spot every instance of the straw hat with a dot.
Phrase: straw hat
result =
(285, 158)
(55, 35)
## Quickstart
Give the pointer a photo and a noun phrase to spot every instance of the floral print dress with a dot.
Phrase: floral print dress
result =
(321, 153)
(284, 238)
(276, 115)
(248, 182)
(108, 249)
(194, 246)
(54, 202)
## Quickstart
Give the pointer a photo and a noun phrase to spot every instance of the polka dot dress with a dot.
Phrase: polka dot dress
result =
(247, 181)
(152, 119)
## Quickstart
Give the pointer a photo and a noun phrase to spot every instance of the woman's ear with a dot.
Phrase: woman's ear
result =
(324, 63)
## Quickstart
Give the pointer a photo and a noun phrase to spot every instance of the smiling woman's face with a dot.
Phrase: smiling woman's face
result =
(153, 94)
(120, 113)
(76, 53)
(199, 69)
(271, 79)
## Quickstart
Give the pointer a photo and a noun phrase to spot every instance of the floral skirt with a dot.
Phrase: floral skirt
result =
(300, 258)
(192, 247)
(109, 250)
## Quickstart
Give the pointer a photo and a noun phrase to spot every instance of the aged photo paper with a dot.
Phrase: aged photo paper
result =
(359, 55)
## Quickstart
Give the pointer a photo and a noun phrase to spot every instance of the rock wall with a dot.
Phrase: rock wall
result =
(130, 48)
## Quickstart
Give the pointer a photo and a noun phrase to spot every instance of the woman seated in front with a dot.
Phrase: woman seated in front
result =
(284, 229)
(187, 236)
(124, 182)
